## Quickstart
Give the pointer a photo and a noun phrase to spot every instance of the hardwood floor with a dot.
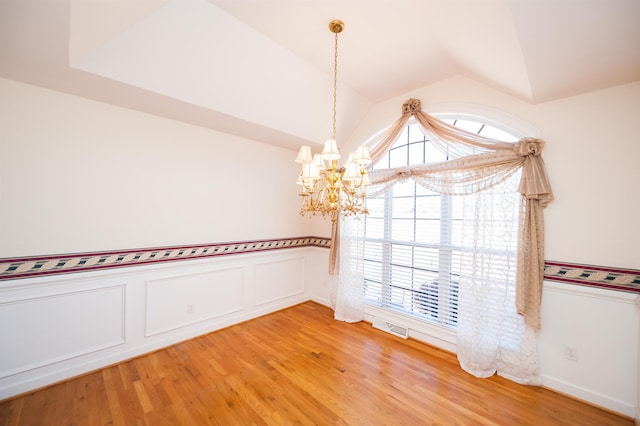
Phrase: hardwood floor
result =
(296, 366)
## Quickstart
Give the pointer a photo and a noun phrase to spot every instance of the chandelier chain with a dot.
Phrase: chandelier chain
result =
(335, 83)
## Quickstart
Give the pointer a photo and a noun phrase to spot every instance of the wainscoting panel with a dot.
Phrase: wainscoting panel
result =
(187, 299)
(600, 328)
(57, 326)
(278, 279)
(41, 331)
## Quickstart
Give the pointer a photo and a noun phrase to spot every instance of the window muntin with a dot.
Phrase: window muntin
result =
(413, 237)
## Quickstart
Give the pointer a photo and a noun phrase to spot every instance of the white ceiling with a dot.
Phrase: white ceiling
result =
(263, 68)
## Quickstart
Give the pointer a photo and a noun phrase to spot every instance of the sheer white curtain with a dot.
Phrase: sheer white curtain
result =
(348, 283)
(491, 336)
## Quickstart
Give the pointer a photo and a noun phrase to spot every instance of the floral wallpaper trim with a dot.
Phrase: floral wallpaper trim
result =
(26, 267)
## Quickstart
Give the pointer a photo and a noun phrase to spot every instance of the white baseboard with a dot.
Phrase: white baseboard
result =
(590, 397)
(321, 300)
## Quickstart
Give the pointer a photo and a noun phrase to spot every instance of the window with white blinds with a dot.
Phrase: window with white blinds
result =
(413, 238)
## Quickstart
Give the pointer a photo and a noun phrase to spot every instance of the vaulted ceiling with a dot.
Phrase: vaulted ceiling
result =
(263, 68)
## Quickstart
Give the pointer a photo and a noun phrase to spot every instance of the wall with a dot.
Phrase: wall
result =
(601, 326)
(590, 154)
(591, 157)
(79, 176)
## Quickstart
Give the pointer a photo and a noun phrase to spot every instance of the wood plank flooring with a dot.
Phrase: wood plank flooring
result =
(296, 366)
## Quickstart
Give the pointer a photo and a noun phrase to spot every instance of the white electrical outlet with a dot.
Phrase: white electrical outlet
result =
(571, 353)
(190, 309)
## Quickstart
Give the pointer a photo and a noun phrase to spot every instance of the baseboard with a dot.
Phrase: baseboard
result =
(593, 398)
(321, 301)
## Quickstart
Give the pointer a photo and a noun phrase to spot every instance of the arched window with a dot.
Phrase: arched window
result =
(415, 239)
(453, 237)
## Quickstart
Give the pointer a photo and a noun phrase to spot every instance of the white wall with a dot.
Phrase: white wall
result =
(78, 175)
(82, 176)
(591, 156)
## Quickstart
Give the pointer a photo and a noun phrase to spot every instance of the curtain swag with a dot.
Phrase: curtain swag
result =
(488, 163)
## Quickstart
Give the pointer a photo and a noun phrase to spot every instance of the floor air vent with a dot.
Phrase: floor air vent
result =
(389, 327)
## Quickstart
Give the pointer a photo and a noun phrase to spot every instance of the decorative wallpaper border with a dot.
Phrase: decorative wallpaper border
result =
(593, 276)
(26, 267)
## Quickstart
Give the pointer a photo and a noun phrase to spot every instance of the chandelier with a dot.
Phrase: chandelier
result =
(327, 190)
